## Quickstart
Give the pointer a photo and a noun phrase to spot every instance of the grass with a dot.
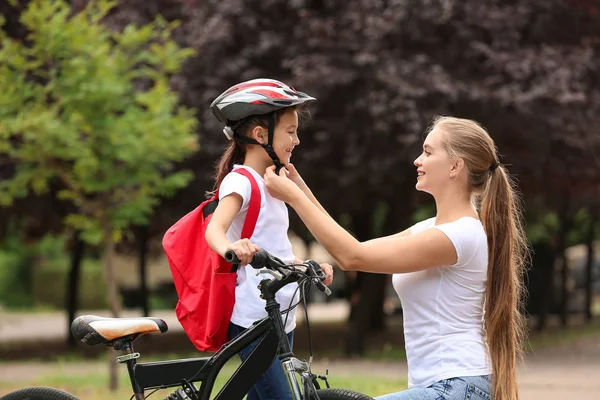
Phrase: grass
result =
(89, 380)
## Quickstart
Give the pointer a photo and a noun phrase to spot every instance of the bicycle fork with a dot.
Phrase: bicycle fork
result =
(291, 367)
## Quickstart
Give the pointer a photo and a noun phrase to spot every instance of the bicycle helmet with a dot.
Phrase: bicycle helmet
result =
(255, 97)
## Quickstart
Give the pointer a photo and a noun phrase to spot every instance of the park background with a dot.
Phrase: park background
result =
(106, 139)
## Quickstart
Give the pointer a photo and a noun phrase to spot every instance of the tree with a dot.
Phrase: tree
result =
(93, 109)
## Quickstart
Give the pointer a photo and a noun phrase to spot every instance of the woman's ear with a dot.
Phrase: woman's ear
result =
(258, 134)
(457, 166)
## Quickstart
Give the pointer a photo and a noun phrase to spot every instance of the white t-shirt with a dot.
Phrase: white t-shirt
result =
(443, 309)
(270, 234)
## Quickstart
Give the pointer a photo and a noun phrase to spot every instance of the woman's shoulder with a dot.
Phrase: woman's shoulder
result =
(422, 225)
(469, 225)
(468, 237)
(468, 220)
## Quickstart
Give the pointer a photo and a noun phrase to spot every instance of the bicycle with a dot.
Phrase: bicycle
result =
(119, 333)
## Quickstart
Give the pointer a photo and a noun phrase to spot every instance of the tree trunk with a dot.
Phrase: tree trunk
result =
(547, 284)
(143, 238)
(364, 303)
(358, 318)
(589, 265)
(113, 299)
(368, 295)
(377, 301)
(73, 287)
(361, 319)
(565, 226)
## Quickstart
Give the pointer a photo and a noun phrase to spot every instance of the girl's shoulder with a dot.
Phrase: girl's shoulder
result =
(242, 184)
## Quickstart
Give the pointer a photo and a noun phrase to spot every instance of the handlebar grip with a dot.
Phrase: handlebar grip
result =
(260, 259)
(230, 257)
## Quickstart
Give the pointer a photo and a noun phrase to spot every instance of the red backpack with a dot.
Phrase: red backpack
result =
(204, 281)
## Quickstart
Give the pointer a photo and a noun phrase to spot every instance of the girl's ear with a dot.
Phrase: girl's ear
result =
(259, 134)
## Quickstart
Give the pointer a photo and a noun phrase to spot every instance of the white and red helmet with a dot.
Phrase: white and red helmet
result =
(255, 97)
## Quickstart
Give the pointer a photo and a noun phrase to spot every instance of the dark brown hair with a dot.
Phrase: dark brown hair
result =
(508, 252)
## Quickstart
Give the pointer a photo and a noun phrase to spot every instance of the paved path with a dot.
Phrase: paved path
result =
(568, 372)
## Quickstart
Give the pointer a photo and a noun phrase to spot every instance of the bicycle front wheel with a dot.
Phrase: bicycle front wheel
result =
(39, 393)
(341, 394)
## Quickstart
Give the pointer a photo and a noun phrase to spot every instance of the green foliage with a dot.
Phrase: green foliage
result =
(92, 109)
(26, 269)
(15, 274)
(92, 288)
(581, 225)
(424, 212)
(17, 267)
(541, 227)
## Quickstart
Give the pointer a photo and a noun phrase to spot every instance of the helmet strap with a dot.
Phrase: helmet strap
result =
(244, 139)
(269, 146)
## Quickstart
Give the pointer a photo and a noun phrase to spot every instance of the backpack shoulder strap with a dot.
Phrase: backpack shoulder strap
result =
(253, 206)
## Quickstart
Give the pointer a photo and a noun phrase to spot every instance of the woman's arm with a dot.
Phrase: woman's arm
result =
(396, 254)
(404, 233)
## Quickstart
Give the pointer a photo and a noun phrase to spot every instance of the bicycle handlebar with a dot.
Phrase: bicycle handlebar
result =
(264, 259)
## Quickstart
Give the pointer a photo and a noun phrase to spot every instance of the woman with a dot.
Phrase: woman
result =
(458, 274)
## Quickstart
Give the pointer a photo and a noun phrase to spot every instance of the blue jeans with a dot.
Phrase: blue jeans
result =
(273, 385)
(461, 388)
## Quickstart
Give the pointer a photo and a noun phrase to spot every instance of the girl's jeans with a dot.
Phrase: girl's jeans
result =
(273, 385)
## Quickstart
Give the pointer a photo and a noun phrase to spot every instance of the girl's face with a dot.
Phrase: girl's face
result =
(286, 136)
(434, 165)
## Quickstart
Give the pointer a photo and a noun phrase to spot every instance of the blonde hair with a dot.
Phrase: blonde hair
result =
(499, 207)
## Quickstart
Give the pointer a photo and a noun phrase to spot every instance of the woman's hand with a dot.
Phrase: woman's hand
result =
(244, 249)
(280, 186)
(328, 269)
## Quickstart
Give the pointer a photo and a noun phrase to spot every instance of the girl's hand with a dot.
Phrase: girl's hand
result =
(244, 249)
(328, 269)
(280, 186)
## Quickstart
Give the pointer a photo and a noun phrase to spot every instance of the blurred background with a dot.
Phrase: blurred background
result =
(106, 139)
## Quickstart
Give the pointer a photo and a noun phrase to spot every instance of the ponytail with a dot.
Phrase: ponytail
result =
(507, 255)
(234, 154)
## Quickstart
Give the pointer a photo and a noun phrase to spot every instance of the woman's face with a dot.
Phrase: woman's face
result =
(434, 164)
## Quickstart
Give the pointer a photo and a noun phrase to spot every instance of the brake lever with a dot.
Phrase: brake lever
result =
(277, 275)
(318, 275)
(321, 286)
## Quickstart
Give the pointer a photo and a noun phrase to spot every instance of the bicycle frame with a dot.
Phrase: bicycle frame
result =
(175, 373)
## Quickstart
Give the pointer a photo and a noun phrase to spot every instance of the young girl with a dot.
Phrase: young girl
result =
(262, 125)
(458, 275)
